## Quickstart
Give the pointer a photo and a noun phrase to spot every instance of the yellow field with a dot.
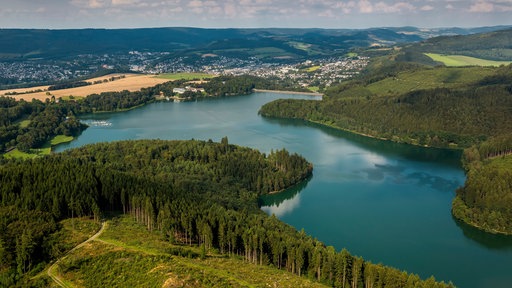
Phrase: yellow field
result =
(131, 82)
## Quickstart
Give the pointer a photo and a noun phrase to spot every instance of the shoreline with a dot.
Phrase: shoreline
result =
(316, 94)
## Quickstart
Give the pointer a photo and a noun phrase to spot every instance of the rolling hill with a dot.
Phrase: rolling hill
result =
(24, 44)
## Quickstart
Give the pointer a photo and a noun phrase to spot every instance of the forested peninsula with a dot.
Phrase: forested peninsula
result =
(193, 192)
(463, 108)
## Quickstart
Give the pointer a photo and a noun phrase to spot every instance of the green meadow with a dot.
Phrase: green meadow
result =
(36, 152)
(460, 60)
(442, 77)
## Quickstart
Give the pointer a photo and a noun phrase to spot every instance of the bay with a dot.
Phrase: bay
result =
(386, 202)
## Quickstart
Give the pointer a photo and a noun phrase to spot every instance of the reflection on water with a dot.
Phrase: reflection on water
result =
(382, 148)
(398, 174)
(491, 241)
(435, 182)
(284, 202)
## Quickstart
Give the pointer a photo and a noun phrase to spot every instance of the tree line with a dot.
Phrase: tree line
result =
(194, 192)
(485, 200)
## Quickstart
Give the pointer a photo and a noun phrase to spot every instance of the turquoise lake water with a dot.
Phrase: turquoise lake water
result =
(386, 202)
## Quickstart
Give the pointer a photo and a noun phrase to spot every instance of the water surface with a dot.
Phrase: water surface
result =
(384, 201)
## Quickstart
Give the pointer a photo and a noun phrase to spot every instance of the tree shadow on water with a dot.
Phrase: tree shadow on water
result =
(488, 240)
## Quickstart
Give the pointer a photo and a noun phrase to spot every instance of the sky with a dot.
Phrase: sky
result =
(68, 14)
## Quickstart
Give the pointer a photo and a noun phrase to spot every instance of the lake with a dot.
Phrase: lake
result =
(386, 202)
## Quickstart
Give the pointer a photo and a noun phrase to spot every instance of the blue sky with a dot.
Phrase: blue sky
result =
(59, 14)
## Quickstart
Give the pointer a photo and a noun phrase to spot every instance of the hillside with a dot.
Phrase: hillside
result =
(153, 261)
(445, 107)
(200, 196)
(441, 107)
(296, 43)
(496, 45)
(24, 44)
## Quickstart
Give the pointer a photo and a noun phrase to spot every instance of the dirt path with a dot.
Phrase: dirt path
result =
(52, 271)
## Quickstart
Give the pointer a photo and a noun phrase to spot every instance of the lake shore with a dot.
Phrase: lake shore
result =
(290, 92)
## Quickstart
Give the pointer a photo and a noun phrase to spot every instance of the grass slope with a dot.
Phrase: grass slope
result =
(407, 81)
(127, 255)
(45, 150)
(460, 60)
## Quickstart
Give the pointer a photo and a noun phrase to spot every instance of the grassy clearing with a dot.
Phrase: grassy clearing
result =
(300, 45)
(24, 123)
(37, 152)
(59, 139)
(71, 97)
(127, 255)
(313, 69)
(501, 163)
(186, 76)
(33, 153)
(448, 77)
(314, 88)
(459, 60)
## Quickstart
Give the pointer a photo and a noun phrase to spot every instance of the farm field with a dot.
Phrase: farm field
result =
(459, 60)
(131, 82)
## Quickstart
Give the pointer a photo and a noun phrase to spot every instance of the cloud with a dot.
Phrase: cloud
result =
(123, 2)
(91, 4)
(365, 6)
(394, 8)
(482, 7)
(251, 13)
(345, 7)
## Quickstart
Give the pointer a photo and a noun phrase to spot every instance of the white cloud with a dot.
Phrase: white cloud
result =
(365, 6)
(394, 8)
(482, 7)
(92, 4)
(345, 7)
(253, 13)
(123, 2)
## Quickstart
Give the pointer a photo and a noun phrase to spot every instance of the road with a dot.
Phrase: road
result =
(52, 271)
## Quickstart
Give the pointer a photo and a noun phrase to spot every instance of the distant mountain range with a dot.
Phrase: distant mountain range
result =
(22, 44)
